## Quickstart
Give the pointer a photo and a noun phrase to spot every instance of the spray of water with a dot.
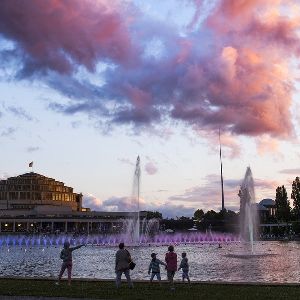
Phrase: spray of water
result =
(151, 236)
(133, 226)
(248, 212)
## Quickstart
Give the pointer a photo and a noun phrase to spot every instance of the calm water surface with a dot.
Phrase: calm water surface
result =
(207, 262)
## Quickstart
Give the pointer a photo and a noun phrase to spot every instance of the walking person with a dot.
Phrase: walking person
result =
(171, 260)
(184, 265)
(123, 258)
(155, 268)
(66, 256)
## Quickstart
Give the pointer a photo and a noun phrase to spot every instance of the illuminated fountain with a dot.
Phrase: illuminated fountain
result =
(248, 210)
(133, 224)
(114, 239)
(248, 218)
(135, 231)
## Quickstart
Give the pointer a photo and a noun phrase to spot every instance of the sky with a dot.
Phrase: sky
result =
(86, 86)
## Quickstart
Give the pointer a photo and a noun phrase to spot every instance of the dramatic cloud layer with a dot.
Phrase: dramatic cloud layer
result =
(234, 71)
(60, 35)
(208, 195)
(295, 171)
(168, 209)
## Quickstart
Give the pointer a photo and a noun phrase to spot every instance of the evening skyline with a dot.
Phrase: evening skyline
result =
(87, 86)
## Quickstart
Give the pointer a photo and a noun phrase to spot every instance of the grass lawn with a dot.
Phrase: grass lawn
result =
(107, 290)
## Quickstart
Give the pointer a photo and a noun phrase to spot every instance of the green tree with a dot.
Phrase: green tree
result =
(210, 215)
(153, 214)
(296, 196)
(198, 214)
(283, 209)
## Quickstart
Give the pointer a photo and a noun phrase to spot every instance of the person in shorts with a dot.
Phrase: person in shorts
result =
(155, 268)
(184, 265)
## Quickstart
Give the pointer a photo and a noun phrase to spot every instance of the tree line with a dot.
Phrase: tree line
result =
(224, 220)
(284, 212)
(228, 220)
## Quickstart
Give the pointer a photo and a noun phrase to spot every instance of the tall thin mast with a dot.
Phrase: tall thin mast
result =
(138, 184)
(138, 175)
(222, 185)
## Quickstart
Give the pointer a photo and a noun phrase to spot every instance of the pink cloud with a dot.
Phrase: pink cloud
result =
(266, 145)
(54, 35)
(150, 168)
(230, 146)
(233, 72)
(295, 171)
(167, 208)
(208, 195)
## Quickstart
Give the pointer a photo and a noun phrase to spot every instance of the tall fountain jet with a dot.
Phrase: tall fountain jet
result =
(133, 224)
(248, 213)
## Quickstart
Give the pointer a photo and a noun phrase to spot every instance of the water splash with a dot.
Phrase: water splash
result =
(133, 226)
(248, 211)
(114, 239)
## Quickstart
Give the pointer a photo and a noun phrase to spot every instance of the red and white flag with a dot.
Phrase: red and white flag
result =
(31, 164)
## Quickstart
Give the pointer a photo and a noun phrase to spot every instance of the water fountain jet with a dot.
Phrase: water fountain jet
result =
(248, 217)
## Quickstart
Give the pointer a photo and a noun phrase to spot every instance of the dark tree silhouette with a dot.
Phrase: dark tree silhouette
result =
(296, 196)
(283, 209)
(198, 214)
(153, 214)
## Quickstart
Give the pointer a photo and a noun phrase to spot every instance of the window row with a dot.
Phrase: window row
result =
(36, 188)
(37, 196)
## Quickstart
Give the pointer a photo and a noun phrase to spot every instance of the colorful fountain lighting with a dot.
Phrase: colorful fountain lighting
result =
(114, 240)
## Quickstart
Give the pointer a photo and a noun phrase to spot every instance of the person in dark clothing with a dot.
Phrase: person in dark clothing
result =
(184, 265)
(171, 260)
(66, 256)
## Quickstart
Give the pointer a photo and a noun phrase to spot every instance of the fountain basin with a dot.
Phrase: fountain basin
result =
(249, 255)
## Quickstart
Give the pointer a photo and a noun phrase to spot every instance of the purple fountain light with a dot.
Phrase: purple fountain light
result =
(115, 239)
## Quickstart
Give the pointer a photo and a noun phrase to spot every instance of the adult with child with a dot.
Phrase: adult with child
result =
(123, 259)
(184, 265)
(66, 256)
(155, 268)
(171, 260)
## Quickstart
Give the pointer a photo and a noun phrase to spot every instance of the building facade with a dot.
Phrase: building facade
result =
(35, 192)
(33, 203)
(266, 209)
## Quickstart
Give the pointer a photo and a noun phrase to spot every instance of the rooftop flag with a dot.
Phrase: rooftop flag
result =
(31, 164)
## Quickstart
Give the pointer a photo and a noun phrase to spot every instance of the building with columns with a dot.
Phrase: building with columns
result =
(33, 203)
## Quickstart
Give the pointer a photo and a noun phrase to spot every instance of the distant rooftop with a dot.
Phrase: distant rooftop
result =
(267, 202)
(261, 207)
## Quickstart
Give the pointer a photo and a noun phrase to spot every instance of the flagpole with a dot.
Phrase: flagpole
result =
(31, 167)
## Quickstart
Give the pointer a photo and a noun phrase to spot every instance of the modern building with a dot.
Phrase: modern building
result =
(266, 209)
(34, 203)
(269, 226)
